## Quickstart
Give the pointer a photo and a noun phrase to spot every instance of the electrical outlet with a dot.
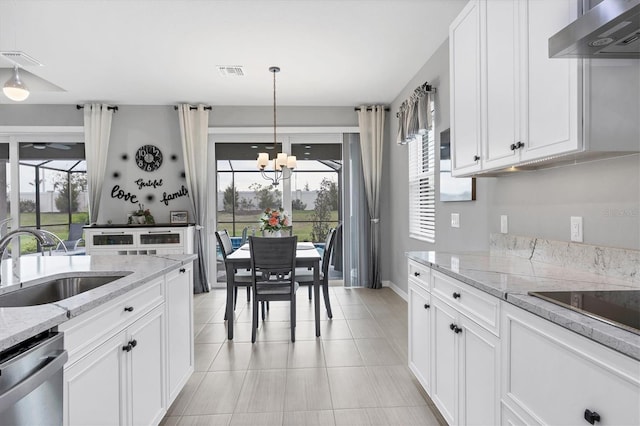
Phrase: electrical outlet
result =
(455, 220)
(504, 224)
(576, 229)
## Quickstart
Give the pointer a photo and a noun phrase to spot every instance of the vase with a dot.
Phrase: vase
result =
(273, 234)
(141, 220)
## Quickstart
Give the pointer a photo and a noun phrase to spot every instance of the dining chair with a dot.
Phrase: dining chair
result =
(273, 269)
(305, 276)
(241, 278)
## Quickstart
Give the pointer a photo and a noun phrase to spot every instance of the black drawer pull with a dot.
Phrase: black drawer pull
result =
(182, 270)
(417, 274)
(427, 306)
(133, 343)
(591, 416)
(476, 158)
(128, 308)
(127, 347)
(456, 295)
(455, 328)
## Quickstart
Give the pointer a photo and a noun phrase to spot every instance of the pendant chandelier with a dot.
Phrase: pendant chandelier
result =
(283, 164)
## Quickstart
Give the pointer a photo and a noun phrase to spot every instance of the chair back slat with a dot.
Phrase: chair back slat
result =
(273, 260)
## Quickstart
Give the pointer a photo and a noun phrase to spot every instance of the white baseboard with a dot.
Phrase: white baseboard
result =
(396, 289)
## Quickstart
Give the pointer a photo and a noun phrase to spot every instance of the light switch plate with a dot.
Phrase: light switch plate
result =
(455, 220)
(576, 229)
(504, 224)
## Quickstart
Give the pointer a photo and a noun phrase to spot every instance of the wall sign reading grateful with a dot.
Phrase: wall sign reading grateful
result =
(149, 158)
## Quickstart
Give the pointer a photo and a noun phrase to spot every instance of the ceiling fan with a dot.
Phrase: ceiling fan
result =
(39, 145)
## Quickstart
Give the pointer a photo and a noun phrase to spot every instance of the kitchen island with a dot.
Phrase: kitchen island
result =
(488, 352)
(130, 341)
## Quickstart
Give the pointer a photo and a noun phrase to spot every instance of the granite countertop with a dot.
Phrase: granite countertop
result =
(511, 278)
(20, 323)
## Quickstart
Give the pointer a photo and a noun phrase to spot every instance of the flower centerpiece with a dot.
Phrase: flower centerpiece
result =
(141, 216)
(273, 221)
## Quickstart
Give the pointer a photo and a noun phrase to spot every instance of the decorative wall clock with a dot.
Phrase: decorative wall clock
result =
(149, 158)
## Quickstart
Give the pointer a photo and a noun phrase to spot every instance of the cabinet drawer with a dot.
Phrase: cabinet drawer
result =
(84, 332)
(477, 305)
(419, 274)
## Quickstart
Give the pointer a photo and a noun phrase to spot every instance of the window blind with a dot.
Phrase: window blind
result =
(422, 186)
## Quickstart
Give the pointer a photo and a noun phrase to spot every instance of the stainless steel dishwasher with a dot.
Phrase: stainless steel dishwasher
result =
(31, 381)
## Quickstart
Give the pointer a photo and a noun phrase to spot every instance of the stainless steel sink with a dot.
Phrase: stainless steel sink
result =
(55, 290)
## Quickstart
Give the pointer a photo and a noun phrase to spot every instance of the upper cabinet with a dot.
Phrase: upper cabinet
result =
(510, 103)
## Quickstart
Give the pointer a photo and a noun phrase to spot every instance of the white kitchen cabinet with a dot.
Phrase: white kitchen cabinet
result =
(454, 346)
(465, 386)
(179, 314)
(130, 240)
(419, 311)
(93, 386)
(528, 105)
(464, 63)
(130, 357)
(552, 375)
(120, 381)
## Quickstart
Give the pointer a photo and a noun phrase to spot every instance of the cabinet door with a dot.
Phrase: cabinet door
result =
(92, 386)
(552, 375)
(479, 383)
(146, 384)
(179, 306)
(444, 388)
(552, 83)
(501, 96)
(420, 334)
(464, 63)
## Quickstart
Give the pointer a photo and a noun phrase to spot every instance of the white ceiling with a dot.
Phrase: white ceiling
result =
(143, 52)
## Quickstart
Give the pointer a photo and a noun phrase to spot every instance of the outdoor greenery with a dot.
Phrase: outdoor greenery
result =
(78, 183)
(267, 196)
(326, 202)
(230, 198)
(52, 222)
(297, 204)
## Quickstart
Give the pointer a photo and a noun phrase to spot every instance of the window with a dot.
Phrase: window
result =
(422, 186)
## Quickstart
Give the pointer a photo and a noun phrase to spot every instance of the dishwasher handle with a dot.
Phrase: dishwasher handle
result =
(23, 388)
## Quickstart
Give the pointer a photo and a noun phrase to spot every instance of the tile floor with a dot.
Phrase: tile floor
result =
(355, 374)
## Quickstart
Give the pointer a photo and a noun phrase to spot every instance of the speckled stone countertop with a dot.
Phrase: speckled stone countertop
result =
(20, 323)
(512, 278)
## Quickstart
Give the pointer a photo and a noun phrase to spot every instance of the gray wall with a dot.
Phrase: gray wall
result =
(606, 193)
(473, 233)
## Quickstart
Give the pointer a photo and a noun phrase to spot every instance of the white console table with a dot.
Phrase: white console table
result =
(139, 239)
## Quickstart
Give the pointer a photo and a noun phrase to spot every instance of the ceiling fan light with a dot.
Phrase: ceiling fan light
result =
(14, 88)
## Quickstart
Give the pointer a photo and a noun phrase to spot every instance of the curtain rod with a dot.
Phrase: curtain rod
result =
(207, 108)
(368, 109)
(113, 108)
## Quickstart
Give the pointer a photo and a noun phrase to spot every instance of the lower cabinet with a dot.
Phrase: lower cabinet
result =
(120, 381)
(179, 310)
(419, 307)
(466, 373)
(554, 376)
(130, 357)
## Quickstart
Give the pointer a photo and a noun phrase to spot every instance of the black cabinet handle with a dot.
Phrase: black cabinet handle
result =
(417, 274)
(182, 270)
(591, 416)
(476, 158)
(516, 145)
(133, 343)
(427, 306)
(455, 328)
(128, 308)
(127, 347)
(456, 295)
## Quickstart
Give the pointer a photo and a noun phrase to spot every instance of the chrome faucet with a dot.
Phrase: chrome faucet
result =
(40, 235)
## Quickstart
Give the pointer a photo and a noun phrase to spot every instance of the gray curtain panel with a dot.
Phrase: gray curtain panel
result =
(371, 123)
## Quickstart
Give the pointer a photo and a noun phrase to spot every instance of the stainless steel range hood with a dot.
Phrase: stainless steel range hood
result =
(611, 29)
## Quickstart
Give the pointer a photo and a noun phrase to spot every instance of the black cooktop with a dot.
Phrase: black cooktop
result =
(620, 308)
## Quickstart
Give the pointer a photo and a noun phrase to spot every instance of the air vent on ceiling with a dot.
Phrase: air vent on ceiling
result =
(20, 58)
(231, 70)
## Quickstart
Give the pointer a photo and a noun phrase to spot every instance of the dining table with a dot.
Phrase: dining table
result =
(307, 255)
